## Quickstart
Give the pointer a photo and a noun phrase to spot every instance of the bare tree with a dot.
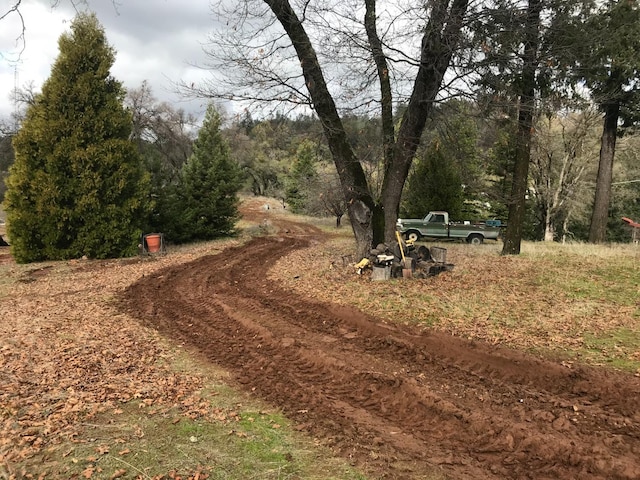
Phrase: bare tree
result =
(564, 148)
(320, 55)
(12, 11)
(158, 124)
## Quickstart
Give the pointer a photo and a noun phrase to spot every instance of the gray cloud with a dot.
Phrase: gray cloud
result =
(158, 41)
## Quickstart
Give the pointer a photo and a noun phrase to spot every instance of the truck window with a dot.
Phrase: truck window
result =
(438, 218)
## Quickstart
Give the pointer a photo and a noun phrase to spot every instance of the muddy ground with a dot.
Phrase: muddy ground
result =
(399, 402)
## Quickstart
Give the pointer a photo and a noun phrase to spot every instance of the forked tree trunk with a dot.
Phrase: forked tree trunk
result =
(373, 222)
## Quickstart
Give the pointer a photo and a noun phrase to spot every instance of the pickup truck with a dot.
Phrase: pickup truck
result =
(437, 225)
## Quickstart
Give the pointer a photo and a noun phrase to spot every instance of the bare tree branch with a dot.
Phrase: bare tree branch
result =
(15, 10)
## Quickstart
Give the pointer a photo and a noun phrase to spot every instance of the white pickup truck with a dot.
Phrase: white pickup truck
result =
(438, 225)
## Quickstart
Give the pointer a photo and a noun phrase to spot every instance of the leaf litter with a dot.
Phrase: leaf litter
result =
(67, 356)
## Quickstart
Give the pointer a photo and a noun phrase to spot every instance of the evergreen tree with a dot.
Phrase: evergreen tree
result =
(434, 184)
(302, 177)
(206, 202)
(6, 160)
(77, 187)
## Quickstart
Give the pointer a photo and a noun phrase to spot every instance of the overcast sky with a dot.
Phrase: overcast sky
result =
(155, 40)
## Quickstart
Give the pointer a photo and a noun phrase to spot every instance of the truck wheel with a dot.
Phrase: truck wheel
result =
(475, 239)
(412, 236)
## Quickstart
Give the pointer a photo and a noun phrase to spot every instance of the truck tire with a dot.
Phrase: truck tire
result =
(412, 235)
(475, 239)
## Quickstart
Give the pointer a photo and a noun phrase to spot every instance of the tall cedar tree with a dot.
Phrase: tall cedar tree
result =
(598, 43)
(77, 187)
(206, 200)
(510, 35)
(610, 68)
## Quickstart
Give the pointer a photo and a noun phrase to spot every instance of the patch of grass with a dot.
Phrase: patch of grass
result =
(618, 348)
(6, 280)
(156, 445)
(577, 302)
(244, 441)
(615, 281)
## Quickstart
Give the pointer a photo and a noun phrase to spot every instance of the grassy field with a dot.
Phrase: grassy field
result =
(576, 302)
(155, 410)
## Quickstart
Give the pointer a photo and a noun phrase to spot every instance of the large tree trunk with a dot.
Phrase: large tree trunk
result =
(363, 211)
(598, 228)
(374, 222)
(517, 201)
(440, 40)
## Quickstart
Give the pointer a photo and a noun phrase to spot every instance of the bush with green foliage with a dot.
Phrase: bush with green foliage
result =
(301, 179)
(204, 204)
(77, 187)
(434, 184)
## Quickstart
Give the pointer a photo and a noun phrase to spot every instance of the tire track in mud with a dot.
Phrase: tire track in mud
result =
(398, 401)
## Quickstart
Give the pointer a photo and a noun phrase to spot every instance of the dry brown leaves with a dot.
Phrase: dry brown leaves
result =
(67, 355)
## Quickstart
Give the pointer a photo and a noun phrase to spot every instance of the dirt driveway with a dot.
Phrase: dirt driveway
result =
(397, 401)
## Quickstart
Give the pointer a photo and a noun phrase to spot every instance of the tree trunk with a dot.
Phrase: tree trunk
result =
(360, 204)
(517, 202)
(548, 230)
(598, 228)
(382, 69)
(565, 226)
(374, 222)
(441, 37)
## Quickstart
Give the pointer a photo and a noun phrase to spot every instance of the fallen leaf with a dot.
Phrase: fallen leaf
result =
(88, 472)
(118, 473)
(102, 449)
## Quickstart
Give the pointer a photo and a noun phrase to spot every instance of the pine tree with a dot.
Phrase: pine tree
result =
(302, 177)
(206, 202)
(77, 187)
(434, 184)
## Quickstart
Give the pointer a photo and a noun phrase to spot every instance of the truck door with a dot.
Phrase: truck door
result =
(436, 226)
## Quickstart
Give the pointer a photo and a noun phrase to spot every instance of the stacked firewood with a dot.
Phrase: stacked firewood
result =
(397, 260)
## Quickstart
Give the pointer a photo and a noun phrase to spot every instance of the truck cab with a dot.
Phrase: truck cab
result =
(436, 224)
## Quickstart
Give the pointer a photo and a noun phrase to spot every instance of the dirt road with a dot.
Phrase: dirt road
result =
(398, 401)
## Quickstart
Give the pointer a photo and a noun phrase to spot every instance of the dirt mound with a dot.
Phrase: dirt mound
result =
(399, 401)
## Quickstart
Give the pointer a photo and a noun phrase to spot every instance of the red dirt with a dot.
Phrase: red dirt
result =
(400, 402)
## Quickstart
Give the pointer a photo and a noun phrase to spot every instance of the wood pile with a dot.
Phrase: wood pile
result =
(405, 260)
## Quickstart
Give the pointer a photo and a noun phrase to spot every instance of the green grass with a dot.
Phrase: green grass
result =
(615, 281)
(614, 348)
(155, 445)
(244, 442)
